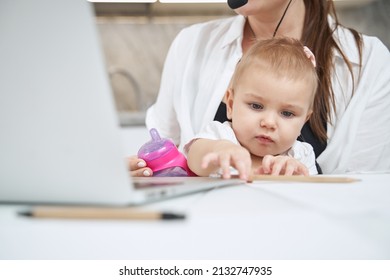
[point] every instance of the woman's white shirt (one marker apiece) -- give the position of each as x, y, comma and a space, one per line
201, 62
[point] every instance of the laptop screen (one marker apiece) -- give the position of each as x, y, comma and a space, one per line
60, 137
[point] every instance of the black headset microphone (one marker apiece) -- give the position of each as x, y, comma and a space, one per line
235, 4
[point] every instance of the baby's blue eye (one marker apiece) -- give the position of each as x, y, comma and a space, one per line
287, 114
256, 106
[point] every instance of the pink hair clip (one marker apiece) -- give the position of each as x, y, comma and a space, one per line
310, 55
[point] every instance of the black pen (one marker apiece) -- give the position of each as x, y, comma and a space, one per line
56, 212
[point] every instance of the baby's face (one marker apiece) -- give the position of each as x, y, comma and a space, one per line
268, 112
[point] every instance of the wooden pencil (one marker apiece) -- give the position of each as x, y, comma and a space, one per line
70, 212
303, 179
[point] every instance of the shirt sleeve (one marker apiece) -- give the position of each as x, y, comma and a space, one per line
217, 131
304, 153
214, 131
370, 150
162, 115
359, 136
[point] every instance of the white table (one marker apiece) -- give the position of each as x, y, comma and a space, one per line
254, 221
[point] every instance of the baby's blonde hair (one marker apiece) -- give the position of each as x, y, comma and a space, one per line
283, 57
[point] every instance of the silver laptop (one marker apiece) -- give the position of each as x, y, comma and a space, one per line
59, 132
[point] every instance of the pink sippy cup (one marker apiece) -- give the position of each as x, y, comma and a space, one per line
162, 156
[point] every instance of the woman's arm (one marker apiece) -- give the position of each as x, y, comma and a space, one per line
359, 135
162, 115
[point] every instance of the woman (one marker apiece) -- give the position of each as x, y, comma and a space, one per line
349, 128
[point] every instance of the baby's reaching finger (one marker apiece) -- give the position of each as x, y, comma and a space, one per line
242, 169
290, 169
266, 164
209, 158
224, 163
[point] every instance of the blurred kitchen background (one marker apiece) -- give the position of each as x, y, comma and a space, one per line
136, 37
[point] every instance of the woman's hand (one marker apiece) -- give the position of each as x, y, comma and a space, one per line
282, 165
138, 167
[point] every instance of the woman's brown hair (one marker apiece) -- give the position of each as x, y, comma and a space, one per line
318, 36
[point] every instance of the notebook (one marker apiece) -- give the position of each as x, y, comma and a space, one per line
60, 136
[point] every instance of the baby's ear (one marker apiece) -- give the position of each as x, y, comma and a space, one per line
229, 103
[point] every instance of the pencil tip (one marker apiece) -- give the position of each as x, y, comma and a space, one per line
170, 216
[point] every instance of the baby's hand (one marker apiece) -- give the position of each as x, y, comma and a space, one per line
231, 155
279, 165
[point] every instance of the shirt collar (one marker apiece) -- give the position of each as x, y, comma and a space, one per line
346, 41
343, 37
235, 31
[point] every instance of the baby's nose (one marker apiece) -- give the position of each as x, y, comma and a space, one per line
268, 120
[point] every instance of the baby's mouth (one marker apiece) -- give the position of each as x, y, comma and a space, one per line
264, 139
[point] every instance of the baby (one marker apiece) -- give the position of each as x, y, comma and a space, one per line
268, 101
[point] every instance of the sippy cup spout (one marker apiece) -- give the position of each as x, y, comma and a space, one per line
154, 134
